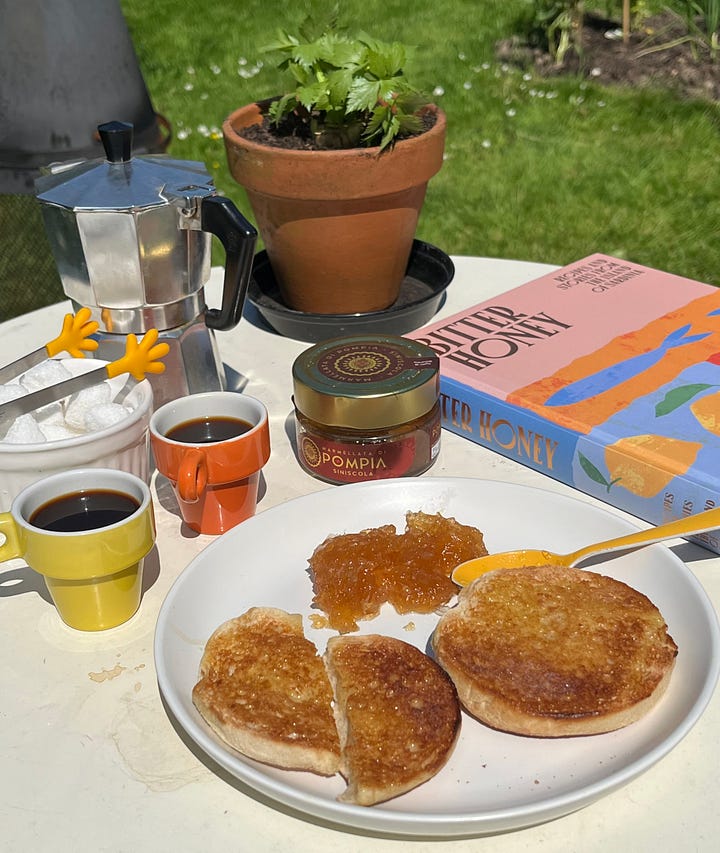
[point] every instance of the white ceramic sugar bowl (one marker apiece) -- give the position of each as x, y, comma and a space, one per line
123, 445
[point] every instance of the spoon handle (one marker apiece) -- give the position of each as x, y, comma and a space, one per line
691, 524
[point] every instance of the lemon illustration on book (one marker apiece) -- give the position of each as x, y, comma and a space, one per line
707, 412
645, 464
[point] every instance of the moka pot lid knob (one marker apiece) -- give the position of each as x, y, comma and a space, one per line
117, 140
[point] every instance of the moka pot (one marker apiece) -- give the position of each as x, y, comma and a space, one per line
131, 238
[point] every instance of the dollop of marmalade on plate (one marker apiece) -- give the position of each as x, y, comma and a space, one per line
354, 574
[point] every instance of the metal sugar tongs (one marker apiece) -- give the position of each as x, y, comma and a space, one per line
140, 358
74, 339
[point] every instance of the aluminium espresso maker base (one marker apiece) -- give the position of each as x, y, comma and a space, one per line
192, 365
429, 272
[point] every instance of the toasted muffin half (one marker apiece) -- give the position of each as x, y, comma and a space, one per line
264, 689
397, 713
549, 651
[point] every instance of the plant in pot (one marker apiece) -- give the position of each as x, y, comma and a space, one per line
337, 169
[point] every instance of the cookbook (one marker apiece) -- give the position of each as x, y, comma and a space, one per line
603, 374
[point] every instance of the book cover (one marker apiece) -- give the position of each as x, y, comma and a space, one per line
604, 374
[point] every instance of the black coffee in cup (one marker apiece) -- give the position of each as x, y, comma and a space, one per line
87, 510
208, 429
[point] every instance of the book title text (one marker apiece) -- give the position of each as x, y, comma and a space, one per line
500, 433
490, 334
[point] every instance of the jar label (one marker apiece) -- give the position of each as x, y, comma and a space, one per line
370, 363
352, 462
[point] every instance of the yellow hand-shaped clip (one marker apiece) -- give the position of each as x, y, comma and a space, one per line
140, 358
75, 335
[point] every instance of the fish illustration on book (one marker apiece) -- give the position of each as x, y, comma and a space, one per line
610, 377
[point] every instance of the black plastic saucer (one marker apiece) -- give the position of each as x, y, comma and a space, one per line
429, 272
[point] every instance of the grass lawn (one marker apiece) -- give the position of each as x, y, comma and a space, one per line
537, 169
544, 170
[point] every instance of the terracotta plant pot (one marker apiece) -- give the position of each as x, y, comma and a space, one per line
338, 226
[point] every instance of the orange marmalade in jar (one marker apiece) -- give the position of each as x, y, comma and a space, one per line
366, 408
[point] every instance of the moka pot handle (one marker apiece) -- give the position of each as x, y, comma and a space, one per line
220, 217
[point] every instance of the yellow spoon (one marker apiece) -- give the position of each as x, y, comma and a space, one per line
691, 524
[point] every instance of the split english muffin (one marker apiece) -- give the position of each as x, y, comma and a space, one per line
375, 708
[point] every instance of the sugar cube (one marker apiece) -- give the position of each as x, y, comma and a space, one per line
105, 415
57, 431
24, 430
50, 414
86, 411
79, 404
48, 372
7, 393
11, 392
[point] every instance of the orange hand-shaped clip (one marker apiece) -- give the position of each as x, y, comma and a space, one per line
75, 335
140, 358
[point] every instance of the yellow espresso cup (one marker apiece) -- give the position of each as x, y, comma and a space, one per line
93, 573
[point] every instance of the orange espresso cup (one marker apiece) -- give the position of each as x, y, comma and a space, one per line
212, 447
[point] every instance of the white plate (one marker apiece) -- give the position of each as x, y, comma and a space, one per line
493, 782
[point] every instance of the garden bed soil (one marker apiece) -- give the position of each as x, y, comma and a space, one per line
686, 68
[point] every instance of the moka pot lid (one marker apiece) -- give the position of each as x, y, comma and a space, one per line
122, 182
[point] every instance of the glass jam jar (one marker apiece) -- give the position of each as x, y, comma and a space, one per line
366, 408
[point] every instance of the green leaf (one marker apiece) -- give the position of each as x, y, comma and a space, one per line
677, 397
279, 109
284, 42
363, 95
375, 123
301, 75
593, 473
338, 86
386, 60
409, 124
307, 55
411, 101
388, 89
314, 94
341, 53
391, 132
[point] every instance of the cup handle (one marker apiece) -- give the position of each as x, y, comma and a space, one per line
11, 546
192, 475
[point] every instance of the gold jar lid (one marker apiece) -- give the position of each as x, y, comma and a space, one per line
366, 381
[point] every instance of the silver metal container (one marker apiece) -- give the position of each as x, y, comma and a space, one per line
131, 239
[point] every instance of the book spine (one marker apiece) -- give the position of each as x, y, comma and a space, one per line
532, 441
680, 496
516, 433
